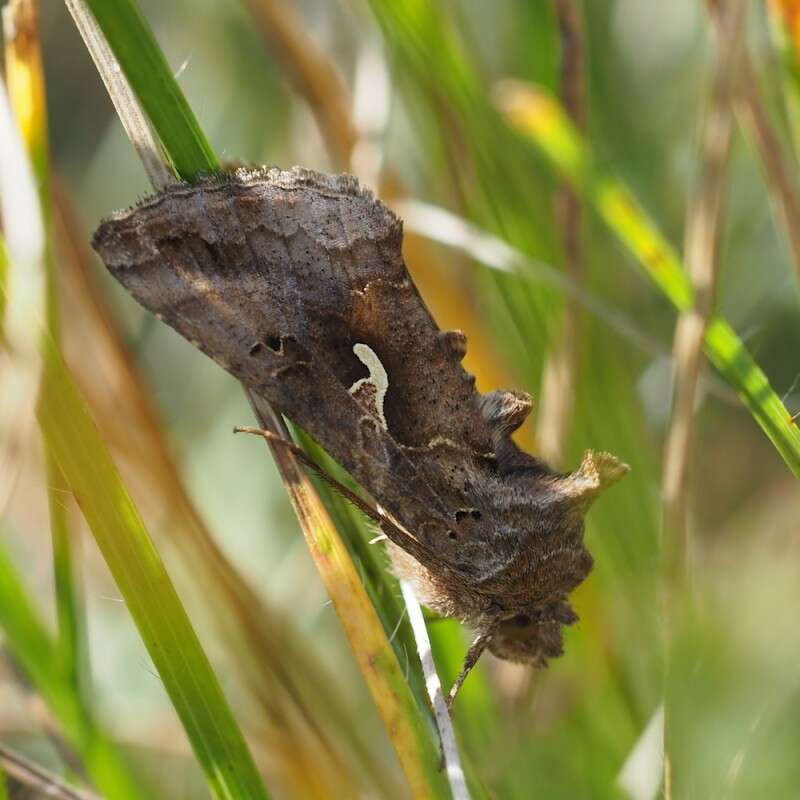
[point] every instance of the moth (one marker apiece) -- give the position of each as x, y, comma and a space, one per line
294, 282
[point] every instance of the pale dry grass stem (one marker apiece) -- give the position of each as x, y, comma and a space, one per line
125, 104
312, 74
703, 231
560, 371
779, 170
28, 780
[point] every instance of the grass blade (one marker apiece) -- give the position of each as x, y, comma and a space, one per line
145, 67
156, 609
541, 119
51, 668
25, 77
25, 304
36, 653
148, 592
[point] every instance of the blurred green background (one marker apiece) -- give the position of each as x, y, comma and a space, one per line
417, 79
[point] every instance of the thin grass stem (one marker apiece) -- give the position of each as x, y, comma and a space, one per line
703, 233
447, 736
560, 371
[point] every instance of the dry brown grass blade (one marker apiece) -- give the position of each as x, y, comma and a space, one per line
703, 231
312, 74
27, 781
780, 172
560, 372
23, 323
282, 675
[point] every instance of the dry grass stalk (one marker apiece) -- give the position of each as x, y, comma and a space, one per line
27, 780
779, 170
560, 372
311, 72
703, 231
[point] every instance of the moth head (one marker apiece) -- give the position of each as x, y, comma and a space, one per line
560, 501
538, 516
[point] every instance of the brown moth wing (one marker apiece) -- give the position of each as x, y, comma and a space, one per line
276, 276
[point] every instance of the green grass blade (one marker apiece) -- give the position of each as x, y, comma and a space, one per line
76, 452
70, 609
542, 120
26, 87
146, 588
152, 81
34, 650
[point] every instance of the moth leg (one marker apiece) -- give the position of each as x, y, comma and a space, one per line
393, 531
309, 462
470, 660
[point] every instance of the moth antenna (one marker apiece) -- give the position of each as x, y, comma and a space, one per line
394, 532
474, 653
